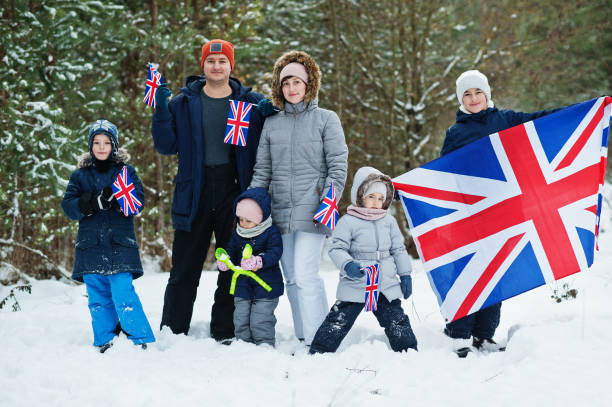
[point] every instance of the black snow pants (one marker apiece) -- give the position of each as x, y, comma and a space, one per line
343, 314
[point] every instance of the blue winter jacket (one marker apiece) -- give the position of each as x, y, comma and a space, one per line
471, 127
268, 245
178, 130
105, 243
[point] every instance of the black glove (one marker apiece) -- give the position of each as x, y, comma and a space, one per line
353, 270
161, 96
87, 204
115, 205
266, 108
104, 199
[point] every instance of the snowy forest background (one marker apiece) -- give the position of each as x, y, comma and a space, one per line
389, 70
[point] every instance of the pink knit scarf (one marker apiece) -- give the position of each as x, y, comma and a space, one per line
366, 213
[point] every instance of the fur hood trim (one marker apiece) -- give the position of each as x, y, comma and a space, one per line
314, 77
86, 161
366, 176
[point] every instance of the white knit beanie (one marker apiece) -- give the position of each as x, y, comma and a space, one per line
473, 79
376, 187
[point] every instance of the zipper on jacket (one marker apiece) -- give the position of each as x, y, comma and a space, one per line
377, 243
292, 135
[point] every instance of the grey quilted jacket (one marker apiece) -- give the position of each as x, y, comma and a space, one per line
301, 151
368, 242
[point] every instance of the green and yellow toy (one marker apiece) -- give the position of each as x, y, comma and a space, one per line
247, 252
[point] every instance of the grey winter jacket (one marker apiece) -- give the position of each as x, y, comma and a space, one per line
368, 242
301, 151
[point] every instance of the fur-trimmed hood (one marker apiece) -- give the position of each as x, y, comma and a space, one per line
366, 176
86, 160
314, 76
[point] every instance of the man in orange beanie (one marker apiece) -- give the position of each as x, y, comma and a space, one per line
211, 174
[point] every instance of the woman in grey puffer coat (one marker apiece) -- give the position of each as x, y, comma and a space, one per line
365, 236
301, 151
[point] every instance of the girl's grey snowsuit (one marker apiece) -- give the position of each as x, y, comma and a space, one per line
367, 242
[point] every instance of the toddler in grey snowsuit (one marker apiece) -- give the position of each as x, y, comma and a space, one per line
366, 235
254, 319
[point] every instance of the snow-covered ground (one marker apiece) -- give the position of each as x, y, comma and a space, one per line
560, 356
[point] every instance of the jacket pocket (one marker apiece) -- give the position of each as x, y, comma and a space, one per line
125, 241
183, 196
86, 241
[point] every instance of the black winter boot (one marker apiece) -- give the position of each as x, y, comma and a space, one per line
105, 347
487, 345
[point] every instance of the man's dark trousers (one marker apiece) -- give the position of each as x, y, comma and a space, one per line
189, 249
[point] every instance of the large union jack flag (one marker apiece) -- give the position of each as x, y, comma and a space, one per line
125, 193
511, 211
154, 79
327, 214
238, 123
371, 289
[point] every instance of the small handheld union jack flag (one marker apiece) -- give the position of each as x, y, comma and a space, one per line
154, 79
327, 214
371, 290
125, 193
238, 123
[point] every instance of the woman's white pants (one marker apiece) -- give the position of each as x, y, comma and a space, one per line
304, 286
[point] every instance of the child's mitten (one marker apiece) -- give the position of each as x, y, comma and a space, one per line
87, 203
353, 270
221, 266
104, 199
406, 285
252, 263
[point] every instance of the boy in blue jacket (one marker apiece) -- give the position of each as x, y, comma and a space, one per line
254, 319
478, 117
106, 254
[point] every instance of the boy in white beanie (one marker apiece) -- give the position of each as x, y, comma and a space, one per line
368, 235
478, 117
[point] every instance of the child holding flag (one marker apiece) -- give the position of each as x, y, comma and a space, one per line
478, 117
368, 236
302, 153
254, 319
106, 254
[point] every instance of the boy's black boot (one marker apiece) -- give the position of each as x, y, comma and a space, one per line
105, 347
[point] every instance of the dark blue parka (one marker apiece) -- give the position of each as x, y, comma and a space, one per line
268, 245
178, 130
471, 127
106, 243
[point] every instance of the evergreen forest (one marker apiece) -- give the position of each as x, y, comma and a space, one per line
389, 70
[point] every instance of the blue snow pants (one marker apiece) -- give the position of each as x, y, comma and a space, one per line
112, 300
343, 314
481, 324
